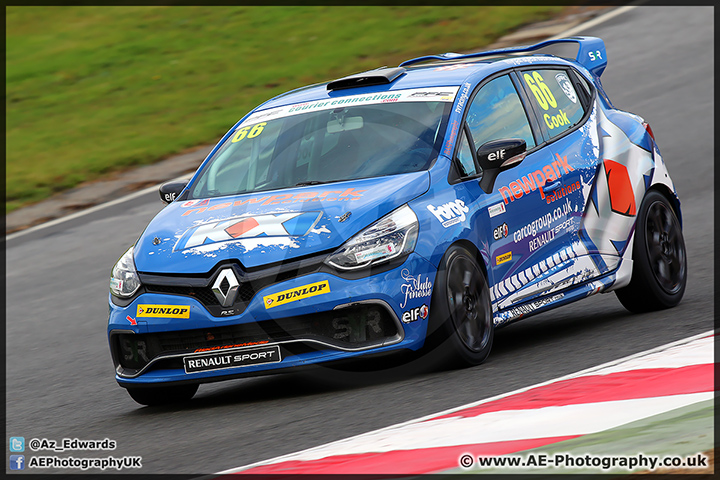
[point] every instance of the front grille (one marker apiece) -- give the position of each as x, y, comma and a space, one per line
251, 282
204, 295
352, 327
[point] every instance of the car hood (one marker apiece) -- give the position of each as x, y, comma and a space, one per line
268, 227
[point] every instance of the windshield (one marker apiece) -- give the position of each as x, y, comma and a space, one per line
346, 142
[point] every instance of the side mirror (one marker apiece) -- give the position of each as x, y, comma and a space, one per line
170, 190
497, 155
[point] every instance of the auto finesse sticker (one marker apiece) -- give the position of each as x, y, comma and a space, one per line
414, 287
294, 294
163, 311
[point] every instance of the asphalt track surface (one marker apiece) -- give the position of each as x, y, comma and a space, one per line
60, 380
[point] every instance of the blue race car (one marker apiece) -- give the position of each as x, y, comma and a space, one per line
410, 208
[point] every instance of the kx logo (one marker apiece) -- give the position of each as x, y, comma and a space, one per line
294, 224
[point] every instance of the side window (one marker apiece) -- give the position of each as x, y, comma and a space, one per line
556, 98
465, 157
497, 113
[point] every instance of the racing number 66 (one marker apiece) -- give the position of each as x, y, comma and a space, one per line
542, 93
256, 130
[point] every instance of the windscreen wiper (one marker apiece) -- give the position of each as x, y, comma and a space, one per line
310, 182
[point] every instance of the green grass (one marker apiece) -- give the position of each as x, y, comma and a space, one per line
92, 90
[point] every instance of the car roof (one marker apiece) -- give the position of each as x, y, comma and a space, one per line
453, 70
443, 74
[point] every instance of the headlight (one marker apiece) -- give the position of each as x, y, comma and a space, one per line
124, 281
390, 237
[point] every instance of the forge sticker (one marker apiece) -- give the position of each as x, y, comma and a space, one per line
294, 294
450, 213
163, 311
505, 257
282, 225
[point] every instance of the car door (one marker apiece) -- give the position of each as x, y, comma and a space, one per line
515, 218
563, 107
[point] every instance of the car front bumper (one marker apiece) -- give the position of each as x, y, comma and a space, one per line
346, 318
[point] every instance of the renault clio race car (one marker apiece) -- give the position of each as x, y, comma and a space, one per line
407, 208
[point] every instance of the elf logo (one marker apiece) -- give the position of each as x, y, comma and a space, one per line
500, 232
419, 313
294, 294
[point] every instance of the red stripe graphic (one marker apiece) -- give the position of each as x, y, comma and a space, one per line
643, 383
422, 460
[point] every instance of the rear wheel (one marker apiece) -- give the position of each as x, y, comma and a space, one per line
461, 327
659, 259
163, 395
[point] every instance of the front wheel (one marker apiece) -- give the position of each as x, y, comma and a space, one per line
163, 395
659, 260
461, 326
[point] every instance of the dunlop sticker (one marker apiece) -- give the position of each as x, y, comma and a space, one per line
505, 257
164, 311
287, 296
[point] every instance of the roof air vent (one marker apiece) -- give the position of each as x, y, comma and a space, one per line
380, 76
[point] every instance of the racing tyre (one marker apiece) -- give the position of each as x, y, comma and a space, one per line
163, 395
461, 328
659, 259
